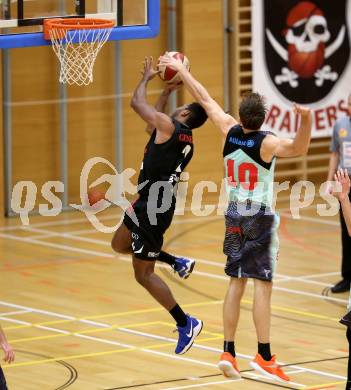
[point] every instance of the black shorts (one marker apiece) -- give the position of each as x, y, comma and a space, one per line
147, 233
251, 244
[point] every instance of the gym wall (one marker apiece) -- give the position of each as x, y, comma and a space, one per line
91, 110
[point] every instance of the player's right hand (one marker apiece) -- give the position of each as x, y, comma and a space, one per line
342, 177
303, 111
172, 62
9, 353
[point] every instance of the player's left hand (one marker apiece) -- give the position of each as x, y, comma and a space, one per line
343, 178
172, 62
149, 72
303, 111
9, 353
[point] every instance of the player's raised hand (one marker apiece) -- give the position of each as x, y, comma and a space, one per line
9, 353
149, 71
174, 63
342, 177
303, 111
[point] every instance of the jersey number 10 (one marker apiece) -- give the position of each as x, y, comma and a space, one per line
244, 170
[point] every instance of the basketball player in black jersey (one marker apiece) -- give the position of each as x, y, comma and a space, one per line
167, 153
251, 241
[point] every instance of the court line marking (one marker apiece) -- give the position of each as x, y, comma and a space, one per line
255, 375
95, 323
143, 349
123, 329
281, 211
127, 258
311, 219
71, 221
320, 275
324, 385
71, 235
119, 215
203, 384
86, 320
71, 357
11, 313
284, 278
57, 246
216, 350
107, 243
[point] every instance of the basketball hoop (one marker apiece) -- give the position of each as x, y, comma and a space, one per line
77, 42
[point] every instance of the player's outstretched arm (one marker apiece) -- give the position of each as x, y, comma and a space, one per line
299, 145
6, 347
342, 177
221, 120
162, 101
148, 113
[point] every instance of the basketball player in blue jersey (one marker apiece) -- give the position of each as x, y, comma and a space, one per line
251, 242
166, 155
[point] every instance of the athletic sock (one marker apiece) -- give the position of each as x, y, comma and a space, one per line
166, 258
229, 346
179, 316
265, 351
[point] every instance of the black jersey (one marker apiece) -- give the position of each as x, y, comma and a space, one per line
165, 162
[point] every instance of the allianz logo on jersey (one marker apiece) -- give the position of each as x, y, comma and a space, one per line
249, 143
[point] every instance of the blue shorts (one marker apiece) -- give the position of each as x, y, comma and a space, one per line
251, 243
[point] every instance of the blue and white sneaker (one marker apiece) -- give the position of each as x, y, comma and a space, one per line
184, 267
187, 334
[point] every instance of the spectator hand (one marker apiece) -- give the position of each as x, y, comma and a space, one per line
342, 177
9, 353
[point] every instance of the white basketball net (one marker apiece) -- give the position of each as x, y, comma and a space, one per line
77, 59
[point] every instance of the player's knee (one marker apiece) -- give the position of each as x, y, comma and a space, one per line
143, 274
118, 248
263, 288
141, 277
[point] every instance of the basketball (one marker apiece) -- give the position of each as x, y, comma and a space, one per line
169, 75
94, 196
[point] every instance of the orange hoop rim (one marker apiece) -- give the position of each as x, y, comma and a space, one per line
67, 24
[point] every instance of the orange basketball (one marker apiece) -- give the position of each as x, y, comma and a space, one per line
95, 196
169, 75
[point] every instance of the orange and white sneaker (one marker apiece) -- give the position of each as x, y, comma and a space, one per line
269, 368
228, 365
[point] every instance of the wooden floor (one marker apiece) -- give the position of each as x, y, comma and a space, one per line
79, 321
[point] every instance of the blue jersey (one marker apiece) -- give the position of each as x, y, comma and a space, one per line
248, 177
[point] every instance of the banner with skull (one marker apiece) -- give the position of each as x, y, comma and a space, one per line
301, 53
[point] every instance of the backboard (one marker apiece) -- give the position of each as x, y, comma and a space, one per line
21, 21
